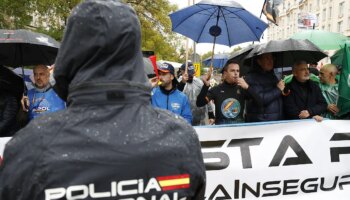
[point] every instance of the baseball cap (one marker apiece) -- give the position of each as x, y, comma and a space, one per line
183, 66
167, 68
190, 70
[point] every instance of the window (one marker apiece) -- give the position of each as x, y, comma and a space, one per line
330, 13
341, 9
324, 14
340, 27
329, 27
310, 7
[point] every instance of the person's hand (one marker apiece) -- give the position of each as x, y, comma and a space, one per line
318, 118
281, 85
241, 82
153, 81
184, 78
304, 114
206, 80
25, 103
333, 108
211, 121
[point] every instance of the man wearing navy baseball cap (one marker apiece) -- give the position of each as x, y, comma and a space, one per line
167, 96
191, 86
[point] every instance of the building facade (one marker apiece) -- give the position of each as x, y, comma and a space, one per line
298, 15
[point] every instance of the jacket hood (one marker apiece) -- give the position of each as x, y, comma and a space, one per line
101, 44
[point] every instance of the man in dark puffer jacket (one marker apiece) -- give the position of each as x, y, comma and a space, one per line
264, 83
109, 143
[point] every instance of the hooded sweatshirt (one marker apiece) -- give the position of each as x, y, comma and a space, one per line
109, 143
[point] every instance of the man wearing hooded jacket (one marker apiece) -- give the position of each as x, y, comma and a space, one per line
109, 143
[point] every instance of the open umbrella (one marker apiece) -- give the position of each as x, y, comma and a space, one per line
287, 52
344, 82
219, 60
20, 48
239, 57
323, 39
221, 22
23, 47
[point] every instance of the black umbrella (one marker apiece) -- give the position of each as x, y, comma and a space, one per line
287, 52
239, 56
11, 82
23, 48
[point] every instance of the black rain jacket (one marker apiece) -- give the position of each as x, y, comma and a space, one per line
109, 143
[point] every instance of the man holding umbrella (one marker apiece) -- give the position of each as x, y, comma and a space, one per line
229, 96
268, 88
191, 86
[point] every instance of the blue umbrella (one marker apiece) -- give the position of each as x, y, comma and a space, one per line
221, 22
219, 60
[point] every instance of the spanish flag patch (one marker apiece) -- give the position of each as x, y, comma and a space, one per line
174, 182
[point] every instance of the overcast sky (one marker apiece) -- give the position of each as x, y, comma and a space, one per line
253, 6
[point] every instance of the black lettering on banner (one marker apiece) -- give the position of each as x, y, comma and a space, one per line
337, 151
222, 164
216, 190
344, 183
289, 141
266, 187
236, 193
331, 188
244, 145
212, 144
310, 187
246, 187
286, 186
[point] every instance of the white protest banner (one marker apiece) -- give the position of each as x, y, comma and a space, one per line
295, 160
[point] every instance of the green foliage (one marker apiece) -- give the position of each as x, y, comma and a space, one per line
50, 16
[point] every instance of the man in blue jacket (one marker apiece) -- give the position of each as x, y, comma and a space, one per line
42, 99
168, 97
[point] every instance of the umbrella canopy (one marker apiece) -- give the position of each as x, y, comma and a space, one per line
344, 81
11, 82
227, 21
23, 47
323, 39
287, 52
239, 57
219, 60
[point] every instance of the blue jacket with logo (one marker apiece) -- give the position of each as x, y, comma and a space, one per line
43, 102
176, 102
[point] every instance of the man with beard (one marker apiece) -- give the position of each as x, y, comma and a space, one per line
229, 96
110, 143
304, 98
167, 96
191, 87
42, 99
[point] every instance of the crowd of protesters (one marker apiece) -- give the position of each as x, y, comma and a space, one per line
259, 96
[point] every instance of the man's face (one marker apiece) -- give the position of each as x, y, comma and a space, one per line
41, 76
301, 73
232, 73
266, 61
166, 78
